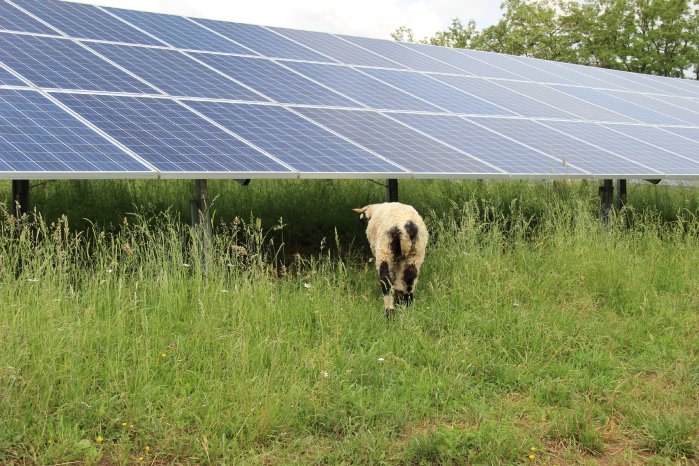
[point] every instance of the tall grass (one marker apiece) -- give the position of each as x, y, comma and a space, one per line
536, 331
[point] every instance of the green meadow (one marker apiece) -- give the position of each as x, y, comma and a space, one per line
538, 335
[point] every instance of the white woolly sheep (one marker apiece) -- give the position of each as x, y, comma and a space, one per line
398, 237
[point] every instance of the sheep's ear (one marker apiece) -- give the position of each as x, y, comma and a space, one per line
359, 211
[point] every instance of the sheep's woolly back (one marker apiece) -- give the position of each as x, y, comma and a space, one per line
396, 231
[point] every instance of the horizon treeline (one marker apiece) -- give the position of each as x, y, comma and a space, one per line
659, 37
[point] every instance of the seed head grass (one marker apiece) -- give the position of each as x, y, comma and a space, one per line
533, 325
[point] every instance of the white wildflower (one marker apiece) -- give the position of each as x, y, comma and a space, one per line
325, 374
380, 359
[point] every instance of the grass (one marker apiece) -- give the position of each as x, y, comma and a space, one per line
536, 330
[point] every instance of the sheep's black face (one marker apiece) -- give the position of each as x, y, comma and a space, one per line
363, 219
403, 298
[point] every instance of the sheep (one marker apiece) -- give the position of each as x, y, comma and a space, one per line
397, 237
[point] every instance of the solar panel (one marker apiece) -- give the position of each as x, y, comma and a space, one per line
338, 49
61, 63
687, 104
623, 107
398, 143
688, 133
403, 55
274, 81
577, 106
174, 72
565, 148
570, 72
618, 143
170, 137
658, 86
658, 104
661, 139
263, 41
85, 21
437, 93
38, 137
179, 32
13, 19
468, 65
521, 68
486, 145
8, 79
302, 145
495, 92
361, 87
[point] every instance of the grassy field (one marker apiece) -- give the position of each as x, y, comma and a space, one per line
538, 335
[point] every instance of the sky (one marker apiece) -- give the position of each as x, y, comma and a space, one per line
369, 18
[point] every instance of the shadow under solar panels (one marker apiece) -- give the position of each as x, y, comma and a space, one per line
174, 140
299, 143
38, 137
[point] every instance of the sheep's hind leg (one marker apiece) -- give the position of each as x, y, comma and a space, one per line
385, 278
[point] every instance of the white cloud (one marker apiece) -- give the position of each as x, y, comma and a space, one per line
371, 18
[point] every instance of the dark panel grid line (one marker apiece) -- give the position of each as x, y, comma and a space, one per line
169, 136
37, 135
64, 64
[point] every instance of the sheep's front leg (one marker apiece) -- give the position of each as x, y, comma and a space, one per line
385, 278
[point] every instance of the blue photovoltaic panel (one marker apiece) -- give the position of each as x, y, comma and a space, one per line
13, 19
658, 85
7, 79
690, 86
396, 142
688, 133
519, 67
487, 146
624, 107
682, 102
573, 73
169, 136
338, 49
661, 139
469, 65
361, 87
274, 80
619, 144
570, 104
174, 72
294, 140
495, 93
63, 64
403, 55
179, 32
437, 93
263, 41
659, 104
38, 136
618, 78
562, 147
85, 21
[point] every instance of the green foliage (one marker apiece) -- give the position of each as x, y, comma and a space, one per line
645, 36
535, 331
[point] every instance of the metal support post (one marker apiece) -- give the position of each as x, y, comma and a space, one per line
392, 190
620, 193
201, 217
20, 197
606, 197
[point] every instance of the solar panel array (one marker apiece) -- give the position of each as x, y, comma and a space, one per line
87, 91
